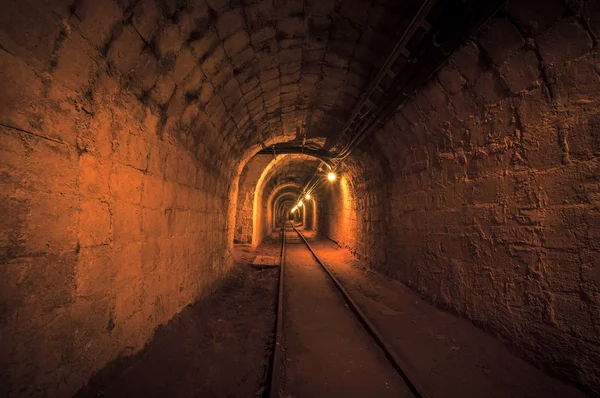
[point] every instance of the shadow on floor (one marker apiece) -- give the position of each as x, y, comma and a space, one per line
217, 347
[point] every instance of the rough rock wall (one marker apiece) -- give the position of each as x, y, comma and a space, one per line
352, 210
110, 224
494, 207
286, 174
270, 195
309, 216
247, 189
283, 205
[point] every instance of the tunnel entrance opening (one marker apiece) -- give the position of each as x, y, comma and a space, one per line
268, 188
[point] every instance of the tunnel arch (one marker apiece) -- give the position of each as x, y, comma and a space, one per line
283, 193
281, 170
265, 216
287, 193
277, 170
126, 126
283, 211
283, 202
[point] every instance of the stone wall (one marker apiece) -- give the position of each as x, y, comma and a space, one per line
285, 173
245, 200
112, 218
122, 125
491, 206
309, 216
271, 195
353, 210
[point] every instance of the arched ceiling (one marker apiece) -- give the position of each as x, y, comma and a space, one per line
285, 201
285, 196
257, 69
294, 169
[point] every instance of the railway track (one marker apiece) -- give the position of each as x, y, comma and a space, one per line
324, 343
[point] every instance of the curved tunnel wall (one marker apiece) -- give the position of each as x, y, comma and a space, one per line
264, 179
283, 171
125, 128
245, 200
352, 210
488, 198
114, 216
282, 204
122, 128
289, 193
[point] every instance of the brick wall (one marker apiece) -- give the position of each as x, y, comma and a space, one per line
490, 202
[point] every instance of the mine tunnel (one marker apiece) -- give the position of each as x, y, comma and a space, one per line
299, 198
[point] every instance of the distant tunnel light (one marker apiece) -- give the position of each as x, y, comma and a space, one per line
294, 209
299, 204
331, 176
307, 197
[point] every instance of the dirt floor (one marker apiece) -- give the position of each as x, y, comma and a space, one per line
218, 347
449, 355
327, 353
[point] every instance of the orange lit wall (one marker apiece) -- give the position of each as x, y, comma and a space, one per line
282, 204
288, 192
351, 209
245, 199
111, 225
310, 214
338, 220
283, 172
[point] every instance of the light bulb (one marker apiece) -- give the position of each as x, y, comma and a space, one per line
331, 176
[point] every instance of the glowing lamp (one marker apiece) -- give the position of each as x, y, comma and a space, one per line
294, 209
299, 204
307, 196
331, 176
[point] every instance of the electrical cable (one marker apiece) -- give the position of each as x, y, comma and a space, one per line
429, 47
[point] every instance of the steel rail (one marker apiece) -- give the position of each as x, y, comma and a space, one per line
276, 362
415, 386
